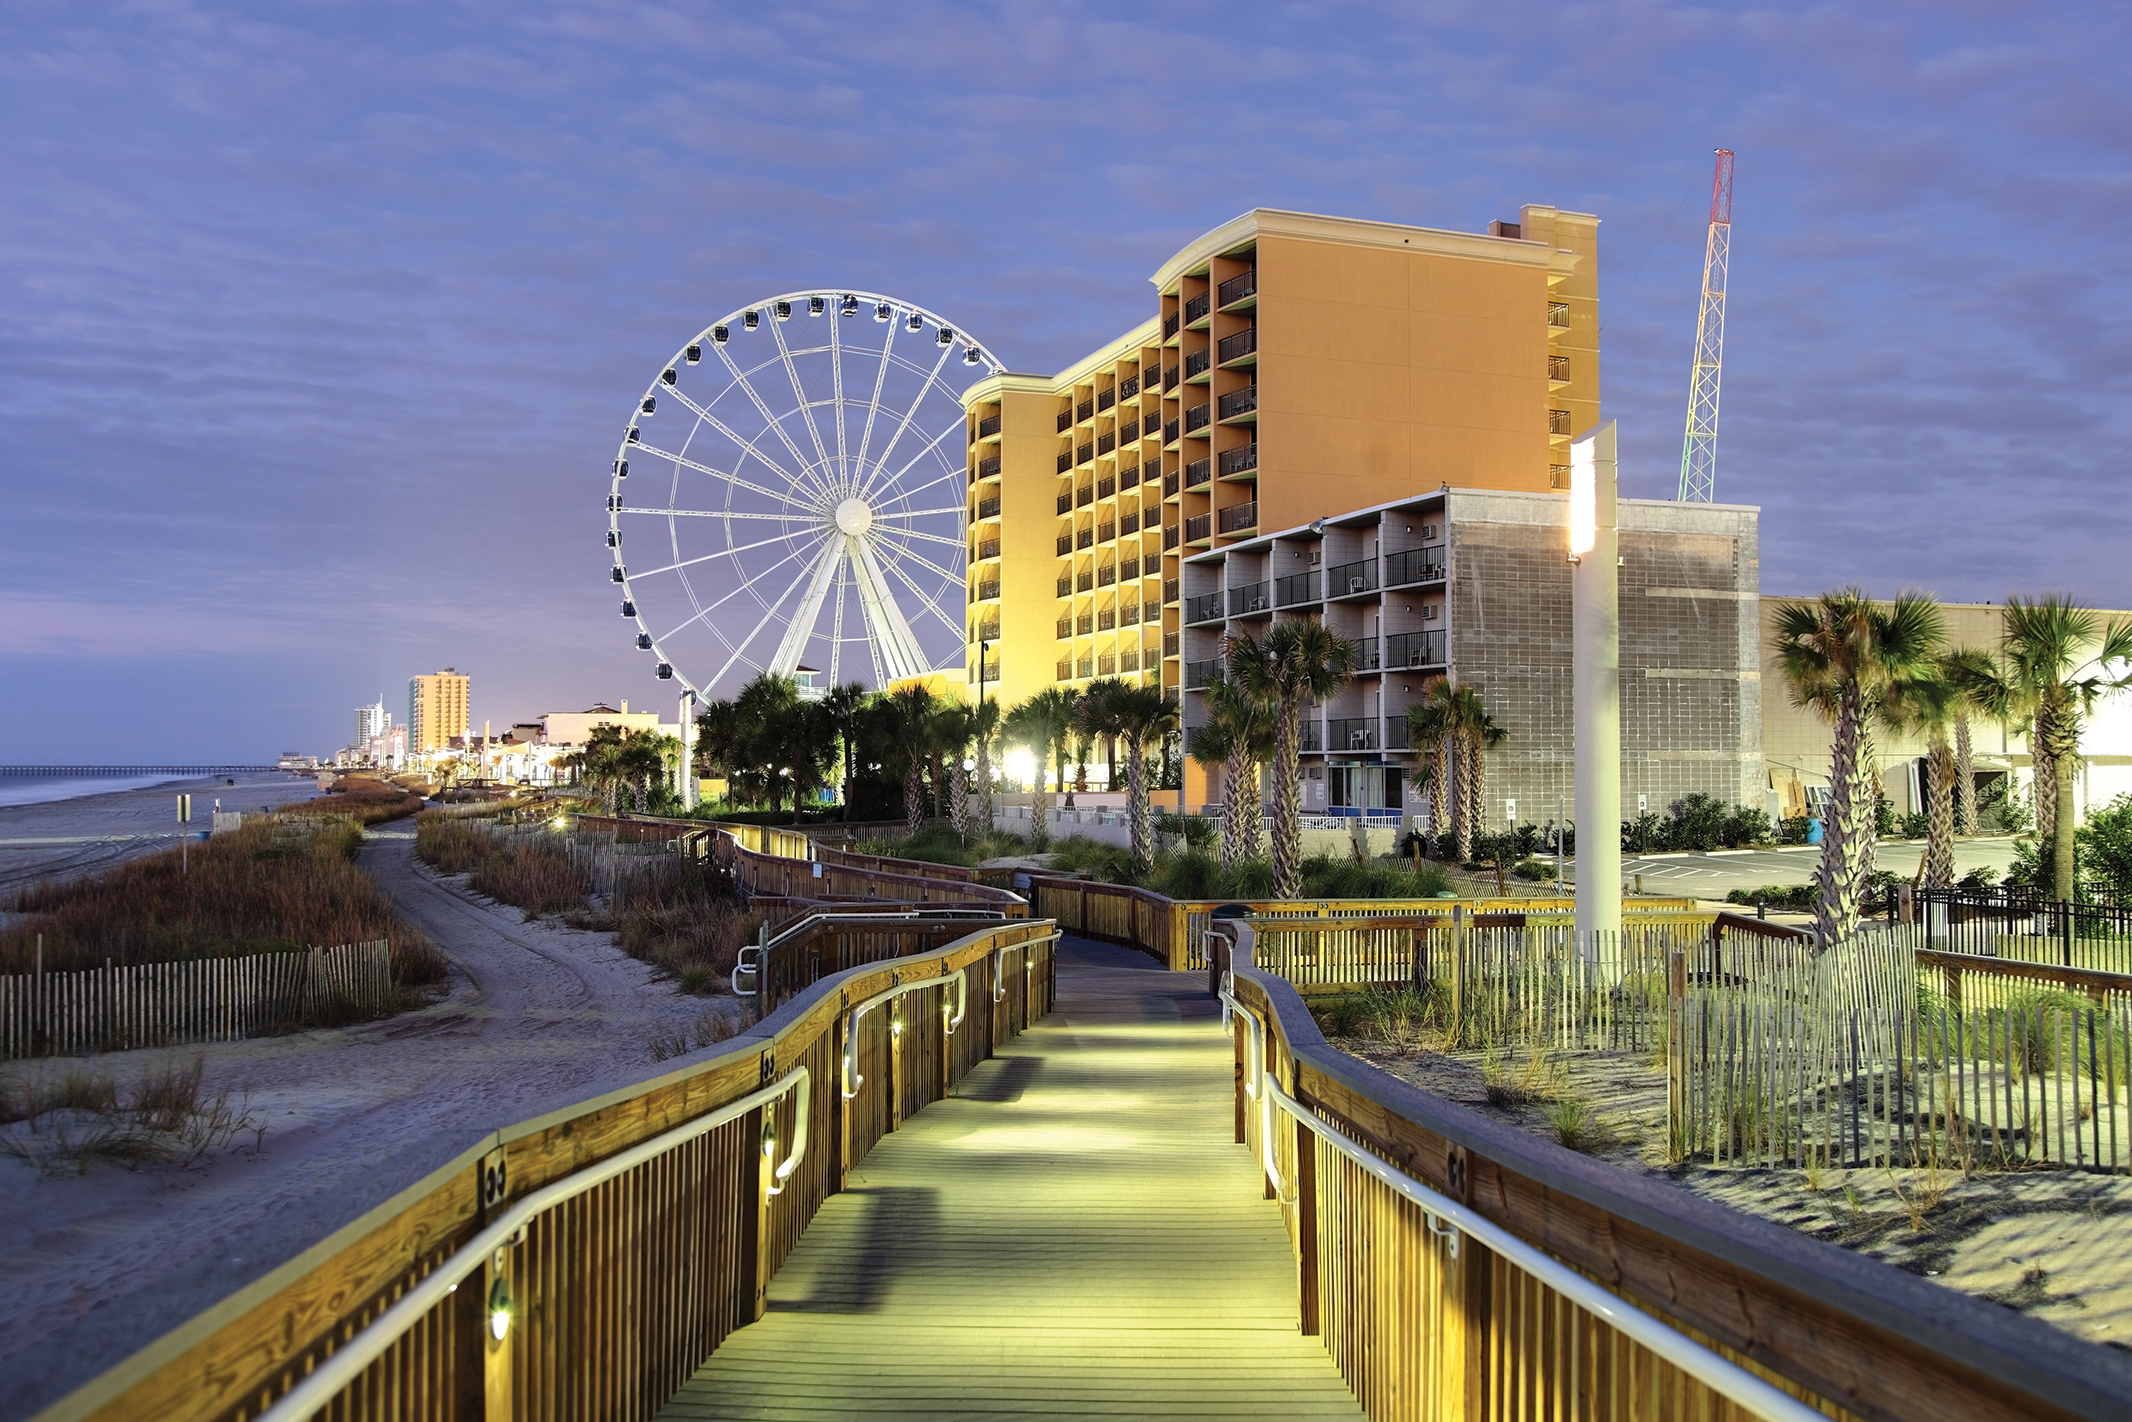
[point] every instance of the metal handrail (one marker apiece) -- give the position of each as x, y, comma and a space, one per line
959, 981
1446, 1217
338, 1370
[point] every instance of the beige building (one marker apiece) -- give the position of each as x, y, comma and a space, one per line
1294, 367
574, 728
1795, 743
436, 710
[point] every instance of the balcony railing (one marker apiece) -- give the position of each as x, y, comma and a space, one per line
1558, 314
1066, 671
1238, 402
1065, 587
1065, 421
1195, 308
988, 426
1085, 624
988, 590
1236, 347
1366, 658
1558, 367
1107, 575
988, 468
1129, 659
1128, 477
1085, 582
1129, 387
1353, 733
1241, 460
1106, 442
1196, 362
1558, 476
1086, 410
1086, 538
1082, 454
1351, 578
1106, 664
1395, 733
1252, 597
1128, 525
1238, 287
1558, 422
988, 632
1152, 423
1169, 379
1170, 642
1065, 544
1197, 675
1169, 538
1106, 398
1409, 650
1066, 462
1106, 621
1086, 666
1295, 588
1198, 417
1128, 614
1310, 735
1415, 565
1237, 517
1065, 628
988, 508
1066, 503
988, 549
1169, 325
1105, 487
1169, 483
1198, 528
1204, 608
1198, 472
1169, 431
1084, 496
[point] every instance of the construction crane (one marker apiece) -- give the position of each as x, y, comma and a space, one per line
1698, 448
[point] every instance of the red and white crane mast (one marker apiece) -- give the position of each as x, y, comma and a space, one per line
1698, 450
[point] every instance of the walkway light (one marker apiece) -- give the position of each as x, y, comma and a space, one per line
500, 1306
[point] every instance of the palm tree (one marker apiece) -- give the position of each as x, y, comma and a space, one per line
1140, 716
1477, 735
1297, 663
1431, 731
909, 713
2054, 664
1242, 726
1840, 656
1929, 704
983, 727
1045, 726
844, 707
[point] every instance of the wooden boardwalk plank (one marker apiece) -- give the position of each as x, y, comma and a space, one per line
1073, 1234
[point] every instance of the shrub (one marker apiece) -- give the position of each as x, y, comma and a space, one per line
1915, 825
1790, 898
1536, 870
934, 844
360, 798
450, 846
1325, 877
685, 916
1198, 831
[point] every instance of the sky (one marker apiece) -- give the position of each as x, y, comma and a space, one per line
320, 321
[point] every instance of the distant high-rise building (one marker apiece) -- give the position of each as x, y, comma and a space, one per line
371, 721
436, 710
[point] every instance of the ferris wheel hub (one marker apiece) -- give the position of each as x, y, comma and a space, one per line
854, 517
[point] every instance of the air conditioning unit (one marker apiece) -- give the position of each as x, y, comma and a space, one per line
1354, 585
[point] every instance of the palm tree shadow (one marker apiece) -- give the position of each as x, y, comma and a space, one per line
902, 1222
1001, 1080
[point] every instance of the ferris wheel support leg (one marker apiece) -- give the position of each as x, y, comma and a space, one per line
801, 627
900, 655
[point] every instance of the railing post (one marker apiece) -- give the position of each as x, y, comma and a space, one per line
1306, 1228
754, 1256
485, 1388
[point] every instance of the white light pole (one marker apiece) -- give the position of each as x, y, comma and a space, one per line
1596, 682
691, 792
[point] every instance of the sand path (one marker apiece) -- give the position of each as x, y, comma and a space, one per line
99, 1265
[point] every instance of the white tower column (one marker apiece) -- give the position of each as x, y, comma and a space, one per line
690, 787
1594, 544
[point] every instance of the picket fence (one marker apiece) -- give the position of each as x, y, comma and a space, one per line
119, 1007
1844, 1062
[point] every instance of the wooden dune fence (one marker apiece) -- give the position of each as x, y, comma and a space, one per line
1850, 1064
120, 1007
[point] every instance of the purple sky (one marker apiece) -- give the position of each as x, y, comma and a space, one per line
320, 321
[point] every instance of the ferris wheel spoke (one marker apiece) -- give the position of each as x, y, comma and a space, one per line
925, 599
873, 405
881, 514
738, 651
836, 378
810, 516
799, 394
947, 471
836, 626
721, 553
736, 590
800, 630
911, 413
747, 446
762, 407
896, 551
920, 533
734, 479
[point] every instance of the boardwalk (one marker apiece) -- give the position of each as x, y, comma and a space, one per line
1074, 1234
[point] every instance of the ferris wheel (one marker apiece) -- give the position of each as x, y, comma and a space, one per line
789, 493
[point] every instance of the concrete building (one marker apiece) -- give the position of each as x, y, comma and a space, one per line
436, 710
574, 728
1292, 367
1474, 585
370, 721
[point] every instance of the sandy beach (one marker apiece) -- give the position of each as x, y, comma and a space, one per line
59, 839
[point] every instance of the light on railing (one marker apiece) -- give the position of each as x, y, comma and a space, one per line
500, 1309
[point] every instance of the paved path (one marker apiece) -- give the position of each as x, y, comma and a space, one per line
1074, 1234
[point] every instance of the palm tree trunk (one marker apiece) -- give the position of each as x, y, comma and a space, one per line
1468, 813
1228, 812
1250, 813
1136, 803
1847, 836
984, 785
1287, 810
1940, 785
914, 795
1965, 780
2042, 782
959, 798
2066, 826
1440, 812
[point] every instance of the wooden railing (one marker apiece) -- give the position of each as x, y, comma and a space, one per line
822, 944
586, 1262
1172, 930
1430, 1242
775, 874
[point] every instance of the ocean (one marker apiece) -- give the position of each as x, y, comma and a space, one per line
33, 789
